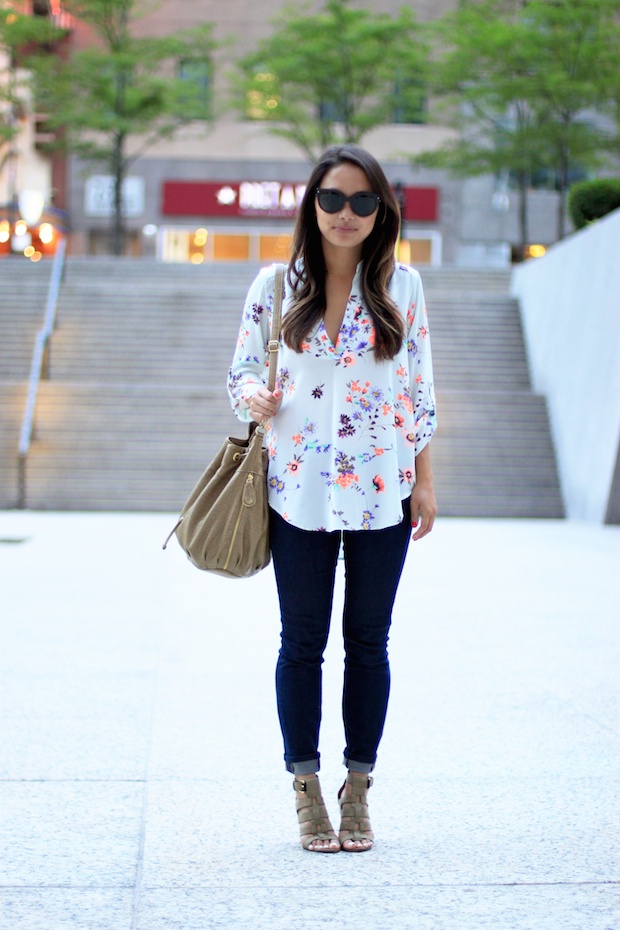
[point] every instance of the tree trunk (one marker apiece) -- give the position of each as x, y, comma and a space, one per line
522, 180
121, 80
562, 187
118, 219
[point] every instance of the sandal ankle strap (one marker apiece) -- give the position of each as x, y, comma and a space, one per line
357, 779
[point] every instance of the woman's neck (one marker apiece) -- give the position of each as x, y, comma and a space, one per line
341, 263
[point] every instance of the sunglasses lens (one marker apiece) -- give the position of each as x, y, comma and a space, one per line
364, 204
330, 201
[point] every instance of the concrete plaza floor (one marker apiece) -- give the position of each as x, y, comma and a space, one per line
141, 779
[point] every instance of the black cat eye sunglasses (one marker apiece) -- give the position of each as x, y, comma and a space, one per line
364, 203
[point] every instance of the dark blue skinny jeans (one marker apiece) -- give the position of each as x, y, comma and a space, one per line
305, 568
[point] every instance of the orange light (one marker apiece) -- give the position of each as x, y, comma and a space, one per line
404, 252
536, 251
46, 233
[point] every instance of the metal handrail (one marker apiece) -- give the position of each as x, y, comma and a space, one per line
39, 368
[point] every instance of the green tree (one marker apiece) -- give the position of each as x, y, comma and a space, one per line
576, 49
331, 77
480, 77
124, 87
19, 33
525, 84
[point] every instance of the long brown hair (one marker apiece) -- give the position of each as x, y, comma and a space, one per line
306, 271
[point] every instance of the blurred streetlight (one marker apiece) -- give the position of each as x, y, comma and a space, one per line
31, 204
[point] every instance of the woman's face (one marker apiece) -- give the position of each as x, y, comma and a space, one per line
344, 229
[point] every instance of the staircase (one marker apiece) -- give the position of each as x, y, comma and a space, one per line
492, 453
137, 402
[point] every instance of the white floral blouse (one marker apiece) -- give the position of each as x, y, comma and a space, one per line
342, 445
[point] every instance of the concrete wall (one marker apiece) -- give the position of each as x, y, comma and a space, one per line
570, 307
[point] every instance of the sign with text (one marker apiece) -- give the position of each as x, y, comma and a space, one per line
99, 196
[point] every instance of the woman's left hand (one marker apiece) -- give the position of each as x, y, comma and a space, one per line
423, 509
423, 503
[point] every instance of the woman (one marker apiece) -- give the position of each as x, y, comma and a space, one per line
348, 431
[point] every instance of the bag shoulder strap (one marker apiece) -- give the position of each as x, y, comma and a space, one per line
274, 342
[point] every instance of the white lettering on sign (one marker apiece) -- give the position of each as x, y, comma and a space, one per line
270, 196
287, 197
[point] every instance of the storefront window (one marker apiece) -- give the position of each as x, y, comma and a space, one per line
222, 245
229, 247
420, 249
274, 248
254, 245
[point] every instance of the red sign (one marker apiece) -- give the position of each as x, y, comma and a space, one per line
268, 199
421, 204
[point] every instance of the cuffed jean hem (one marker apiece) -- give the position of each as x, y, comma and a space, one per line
352, 765
308, 767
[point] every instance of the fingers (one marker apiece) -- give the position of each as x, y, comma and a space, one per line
263, 404
426, 525
423, 512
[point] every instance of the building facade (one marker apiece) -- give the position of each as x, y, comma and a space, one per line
33, 191
229, 192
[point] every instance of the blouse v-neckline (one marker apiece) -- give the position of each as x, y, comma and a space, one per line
322, 327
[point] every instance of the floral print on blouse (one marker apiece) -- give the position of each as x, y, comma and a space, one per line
342, 446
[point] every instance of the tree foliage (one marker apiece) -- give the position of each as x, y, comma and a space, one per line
333, 76
590, 200
19, 34
123, 86
527, 83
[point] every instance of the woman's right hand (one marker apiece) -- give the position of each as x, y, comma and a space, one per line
264, 404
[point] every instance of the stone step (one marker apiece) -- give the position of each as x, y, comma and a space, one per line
12, 402
23, 299
497, 279
104, 267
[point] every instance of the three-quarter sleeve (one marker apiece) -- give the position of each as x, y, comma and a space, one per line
420, 367
250, 364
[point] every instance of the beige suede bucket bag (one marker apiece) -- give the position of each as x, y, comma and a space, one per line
224, 524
